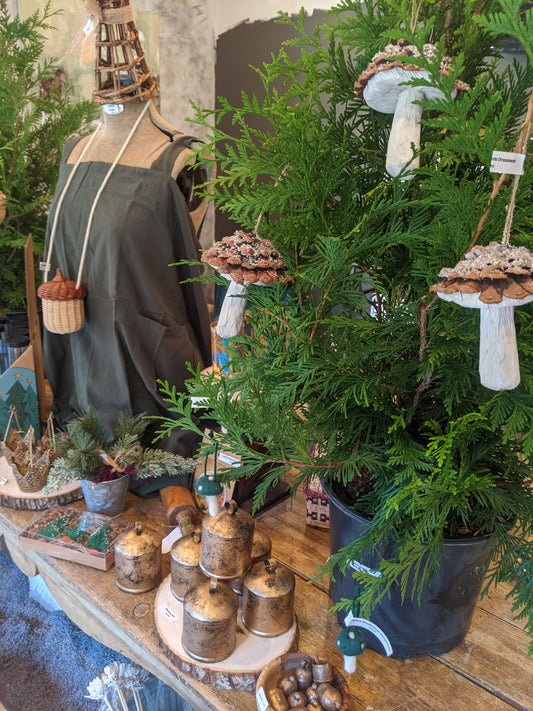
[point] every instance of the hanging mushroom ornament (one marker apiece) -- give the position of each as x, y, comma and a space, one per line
244, 259
493, 279
383, 87
351, 644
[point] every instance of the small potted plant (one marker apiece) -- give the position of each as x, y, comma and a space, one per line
105, 463
357, 372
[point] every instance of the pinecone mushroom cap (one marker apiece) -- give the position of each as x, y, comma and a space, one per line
246, 259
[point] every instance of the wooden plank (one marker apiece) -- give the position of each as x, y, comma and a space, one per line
35, 332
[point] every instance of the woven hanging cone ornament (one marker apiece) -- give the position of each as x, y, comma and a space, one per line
121, 72
63, 307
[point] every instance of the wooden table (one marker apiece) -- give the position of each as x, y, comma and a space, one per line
489, 671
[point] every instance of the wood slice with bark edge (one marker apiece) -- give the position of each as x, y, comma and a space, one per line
12, 497
221, 675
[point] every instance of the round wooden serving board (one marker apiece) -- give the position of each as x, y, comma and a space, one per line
12, 497
240, 670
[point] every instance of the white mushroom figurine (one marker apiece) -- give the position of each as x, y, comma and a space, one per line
383, 87
494, 279
244, 259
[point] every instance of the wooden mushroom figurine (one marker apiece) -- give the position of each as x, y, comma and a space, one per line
350, 643
383, 87
493, 279
244, 259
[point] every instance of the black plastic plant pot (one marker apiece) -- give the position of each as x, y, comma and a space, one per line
441, 620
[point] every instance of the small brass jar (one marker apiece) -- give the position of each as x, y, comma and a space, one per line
185, 571
138, 559
268, 599
210, 621
227, 542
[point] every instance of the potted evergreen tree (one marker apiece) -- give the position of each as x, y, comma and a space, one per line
356, 371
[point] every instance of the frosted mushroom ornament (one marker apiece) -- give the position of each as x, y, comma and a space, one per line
494, 279
383, 86
245, 259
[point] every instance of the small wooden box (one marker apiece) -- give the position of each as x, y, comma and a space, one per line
317, 505
52, 533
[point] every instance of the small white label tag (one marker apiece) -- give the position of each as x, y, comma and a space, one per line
113, 109
168, 541
3, 481
43, 266
510, 163
89, 26
356, 565
230, 459
262, 701
167, 612
351, 621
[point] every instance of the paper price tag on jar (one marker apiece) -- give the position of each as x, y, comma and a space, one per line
510, 163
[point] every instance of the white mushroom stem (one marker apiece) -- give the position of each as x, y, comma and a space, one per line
498, 355
232, 311
405, 132
212, 504
350, 664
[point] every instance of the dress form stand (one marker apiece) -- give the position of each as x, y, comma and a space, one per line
142, 322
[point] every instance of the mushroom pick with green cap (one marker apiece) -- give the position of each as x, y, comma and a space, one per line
210, 488
351, 644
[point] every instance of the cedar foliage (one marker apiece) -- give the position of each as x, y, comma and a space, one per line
33, 128
356, 371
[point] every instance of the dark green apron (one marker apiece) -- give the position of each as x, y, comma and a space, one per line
141, 323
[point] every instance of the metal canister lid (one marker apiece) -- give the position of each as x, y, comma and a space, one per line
212, 601
137, 541
186, 550
269, 579
261, 546
231, 523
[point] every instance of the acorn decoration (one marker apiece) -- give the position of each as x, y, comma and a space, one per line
63, 304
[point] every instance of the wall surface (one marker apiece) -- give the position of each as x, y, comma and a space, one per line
179, 38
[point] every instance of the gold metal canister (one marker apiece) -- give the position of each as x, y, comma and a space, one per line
185, 571
261, 549
268, 599
138, 559
227, 542
210, 621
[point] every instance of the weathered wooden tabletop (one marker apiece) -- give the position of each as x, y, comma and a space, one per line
489, 671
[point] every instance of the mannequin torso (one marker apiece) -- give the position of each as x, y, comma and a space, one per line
149, 140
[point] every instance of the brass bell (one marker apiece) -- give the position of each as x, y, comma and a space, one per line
210, 621
261, 548
138, 559
185, 570
226, 550
268, 599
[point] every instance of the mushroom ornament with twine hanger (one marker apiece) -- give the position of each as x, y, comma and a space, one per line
63, 308
243, 258
495, 279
